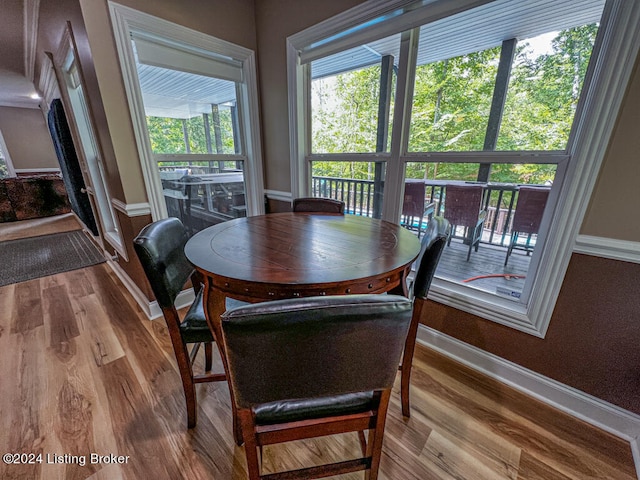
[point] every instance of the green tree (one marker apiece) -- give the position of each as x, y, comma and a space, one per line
166, 135
544, 92
451, 106
451, 103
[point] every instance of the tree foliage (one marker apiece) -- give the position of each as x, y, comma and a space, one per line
167, 135
450, 110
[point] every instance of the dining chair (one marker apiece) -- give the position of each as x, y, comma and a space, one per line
435, 238
463, 208
318, 205
527, 217
316, 366
160, 249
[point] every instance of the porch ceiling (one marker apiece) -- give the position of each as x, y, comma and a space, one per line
176, 94
471, 31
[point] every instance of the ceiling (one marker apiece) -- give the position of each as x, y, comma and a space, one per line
17, 37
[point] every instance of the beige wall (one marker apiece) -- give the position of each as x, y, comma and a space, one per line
230, 20
275, 21
27, 138
614, 205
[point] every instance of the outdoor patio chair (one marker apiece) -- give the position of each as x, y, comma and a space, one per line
527, 217
414, 210
318, 205
435, 238
463, 208
311, 367
160, 249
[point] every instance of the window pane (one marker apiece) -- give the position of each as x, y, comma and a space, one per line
191, 114
499, 213
451, 102
358, 184
201, 194
187, 112
346, 97
544, 88
202, 133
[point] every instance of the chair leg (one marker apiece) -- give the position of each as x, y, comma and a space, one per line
247, 427
407, 357
208, 356
184, 365
192, 403
514, 238
376, 435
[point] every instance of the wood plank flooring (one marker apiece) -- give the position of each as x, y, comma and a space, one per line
83, 371
38, 226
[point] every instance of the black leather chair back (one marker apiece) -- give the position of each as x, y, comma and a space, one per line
433, 242
318, 205
160, 248
314, 347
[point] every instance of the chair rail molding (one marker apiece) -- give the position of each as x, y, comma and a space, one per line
624, 250
132, 209
278, 195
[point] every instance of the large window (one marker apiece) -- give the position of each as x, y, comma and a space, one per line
194, 108
498, 99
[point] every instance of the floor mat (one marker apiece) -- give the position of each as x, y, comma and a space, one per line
36, 257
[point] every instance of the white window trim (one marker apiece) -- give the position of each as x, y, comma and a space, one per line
611, 76
124, 20
11, 172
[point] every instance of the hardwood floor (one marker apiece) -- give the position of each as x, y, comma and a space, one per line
83, 371
38, 226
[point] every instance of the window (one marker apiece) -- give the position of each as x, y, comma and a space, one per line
501, 95
193, 103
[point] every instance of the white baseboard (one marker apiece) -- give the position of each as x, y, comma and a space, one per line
151, 309
611, 418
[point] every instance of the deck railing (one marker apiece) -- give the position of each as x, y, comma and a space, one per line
357, 195
499, 201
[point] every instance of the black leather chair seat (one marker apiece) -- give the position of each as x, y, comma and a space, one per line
293, 410
194, 328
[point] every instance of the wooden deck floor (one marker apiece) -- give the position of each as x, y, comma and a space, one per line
488, 260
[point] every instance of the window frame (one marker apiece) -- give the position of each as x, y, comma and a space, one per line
126, 20
593, 125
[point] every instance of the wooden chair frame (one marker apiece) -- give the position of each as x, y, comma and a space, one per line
257, 436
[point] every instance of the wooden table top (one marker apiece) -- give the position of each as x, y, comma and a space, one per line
299, 254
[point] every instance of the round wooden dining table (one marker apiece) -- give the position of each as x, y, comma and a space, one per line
289, 255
